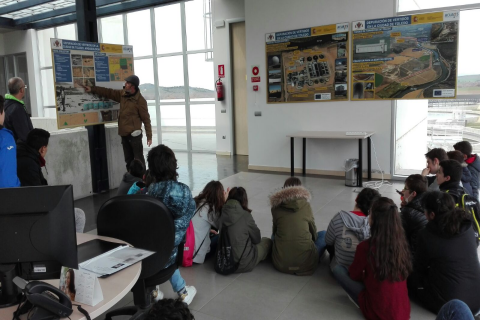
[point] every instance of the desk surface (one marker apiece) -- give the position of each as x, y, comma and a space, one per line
114, 287
327, 135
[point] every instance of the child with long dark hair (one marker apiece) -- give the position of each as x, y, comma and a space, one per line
382, 263
446, 263
209, 205
248, 247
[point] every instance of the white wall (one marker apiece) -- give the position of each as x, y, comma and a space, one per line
20, 41
226, 10
268, 145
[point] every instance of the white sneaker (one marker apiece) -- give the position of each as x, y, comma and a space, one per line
157, 294
189, 295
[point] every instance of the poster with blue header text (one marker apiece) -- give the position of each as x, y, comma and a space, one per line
77, 64
405, 57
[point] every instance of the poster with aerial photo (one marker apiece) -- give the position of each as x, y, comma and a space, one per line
405, 57
308, 65
77, 64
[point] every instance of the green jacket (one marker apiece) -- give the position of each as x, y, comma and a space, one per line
133, 111
243, 233
295, 232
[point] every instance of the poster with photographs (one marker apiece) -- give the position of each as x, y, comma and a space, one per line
308, 65
405, 57
77, 64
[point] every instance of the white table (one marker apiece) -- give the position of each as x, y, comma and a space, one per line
332, 135
114, 287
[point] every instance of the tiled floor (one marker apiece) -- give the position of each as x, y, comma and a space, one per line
266, 293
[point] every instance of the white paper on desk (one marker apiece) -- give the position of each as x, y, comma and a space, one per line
115, 260
85, 285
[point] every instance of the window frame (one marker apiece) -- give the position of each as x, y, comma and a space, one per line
154, 55
393, 148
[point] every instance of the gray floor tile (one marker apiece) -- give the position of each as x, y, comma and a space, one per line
266, 274
310, 307
245, 300
202, 316
208, 283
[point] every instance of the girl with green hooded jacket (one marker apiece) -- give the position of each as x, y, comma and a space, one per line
294, 232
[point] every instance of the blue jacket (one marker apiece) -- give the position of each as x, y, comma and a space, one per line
8, 162
177, 197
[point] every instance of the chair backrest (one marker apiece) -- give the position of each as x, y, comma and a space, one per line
144, 222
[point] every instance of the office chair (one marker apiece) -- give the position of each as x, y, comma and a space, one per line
146, 223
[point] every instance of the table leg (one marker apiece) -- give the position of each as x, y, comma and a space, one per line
304, 171
291, 157
369, 155
360, 168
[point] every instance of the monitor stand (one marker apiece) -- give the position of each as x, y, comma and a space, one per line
9, 292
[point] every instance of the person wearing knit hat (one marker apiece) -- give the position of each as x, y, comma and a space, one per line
133, 111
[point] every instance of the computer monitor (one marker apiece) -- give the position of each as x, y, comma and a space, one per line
37, 231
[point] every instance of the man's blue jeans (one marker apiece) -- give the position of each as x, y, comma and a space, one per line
455, 310
353, 288
320, 243
177, 281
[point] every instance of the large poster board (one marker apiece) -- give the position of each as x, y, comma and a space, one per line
308, 65
405, 57
77, 64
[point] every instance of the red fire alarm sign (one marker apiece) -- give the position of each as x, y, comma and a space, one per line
221, 71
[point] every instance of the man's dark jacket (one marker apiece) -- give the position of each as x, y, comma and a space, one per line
17, 119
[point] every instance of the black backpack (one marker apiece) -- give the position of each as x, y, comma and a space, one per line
224, 261
469, 204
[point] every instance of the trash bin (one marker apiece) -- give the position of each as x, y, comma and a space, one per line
351, 168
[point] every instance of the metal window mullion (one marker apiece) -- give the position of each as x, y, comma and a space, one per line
203, 102
166, 103
125, 28
199, 51
155, 76
166, 55
472, 6
185, 76
99, 30
40, 74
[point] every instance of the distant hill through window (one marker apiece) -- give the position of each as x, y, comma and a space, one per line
170, 93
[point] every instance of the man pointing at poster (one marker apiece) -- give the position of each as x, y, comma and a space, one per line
133, 111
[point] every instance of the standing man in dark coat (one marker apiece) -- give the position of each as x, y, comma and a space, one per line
17, 119
133, 111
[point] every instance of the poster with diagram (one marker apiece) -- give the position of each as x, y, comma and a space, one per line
77, 64
405, 57
308, 65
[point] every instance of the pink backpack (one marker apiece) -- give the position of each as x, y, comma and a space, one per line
189, 247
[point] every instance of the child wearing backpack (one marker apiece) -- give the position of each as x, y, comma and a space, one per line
209, 208
446, 263
473, 164
381, 266
242, 235
448, 178
297, 247
466, 174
